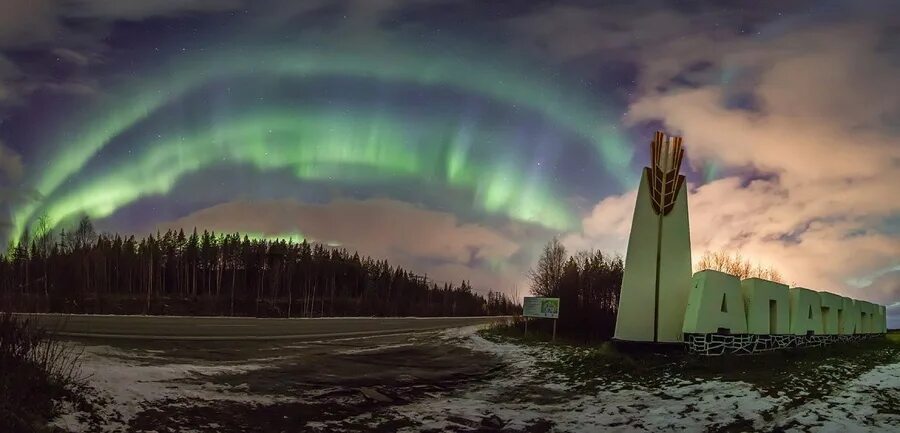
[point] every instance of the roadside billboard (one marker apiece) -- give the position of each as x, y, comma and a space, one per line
547, 308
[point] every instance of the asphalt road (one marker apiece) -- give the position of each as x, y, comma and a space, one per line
239, 328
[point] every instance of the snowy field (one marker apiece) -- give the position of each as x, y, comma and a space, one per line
386, 384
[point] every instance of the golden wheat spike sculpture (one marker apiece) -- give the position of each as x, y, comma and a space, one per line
665, 181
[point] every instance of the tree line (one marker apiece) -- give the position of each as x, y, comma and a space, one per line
204, 273
588, 284
735, 264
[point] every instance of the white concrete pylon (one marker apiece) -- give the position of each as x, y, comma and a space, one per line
657, 279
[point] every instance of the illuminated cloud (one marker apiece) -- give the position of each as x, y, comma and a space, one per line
11, 168
424, 240
801, 125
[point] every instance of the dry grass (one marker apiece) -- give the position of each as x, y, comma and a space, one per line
37, 371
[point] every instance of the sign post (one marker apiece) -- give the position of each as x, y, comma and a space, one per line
545, 308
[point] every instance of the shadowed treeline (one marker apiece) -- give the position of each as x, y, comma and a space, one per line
209, 274
588, 285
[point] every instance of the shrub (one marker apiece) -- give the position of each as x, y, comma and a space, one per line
35, 371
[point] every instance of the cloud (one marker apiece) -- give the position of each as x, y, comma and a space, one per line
8, 72
764, 223
60, 25
72, 56
11, 168
885, 288
823, 133
807, 114
822, 113
571, 31
73, 32
28, 22
139, 9
11, 171
421, 239
606, 228
893, 316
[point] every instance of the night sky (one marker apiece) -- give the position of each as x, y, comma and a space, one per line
456, 137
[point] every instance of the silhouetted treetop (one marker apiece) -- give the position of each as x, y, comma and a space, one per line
219, 274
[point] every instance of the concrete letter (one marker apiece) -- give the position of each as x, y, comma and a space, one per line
806, 312
768, 306
849, 317
878, 319
831, 307
866, 313
715, 305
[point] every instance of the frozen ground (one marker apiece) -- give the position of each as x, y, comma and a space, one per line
533, 395
125, 383
870, 402
461, 381
255, 386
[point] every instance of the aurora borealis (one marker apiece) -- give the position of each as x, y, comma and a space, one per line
291, 140
493, 126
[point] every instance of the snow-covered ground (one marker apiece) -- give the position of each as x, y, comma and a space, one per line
870, 402
525, 394
127, 382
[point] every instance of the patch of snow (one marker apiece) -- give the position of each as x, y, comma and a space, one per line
68, 418
288, 346
373, 349
131, 383
626, 410
853, 407
523, 394
461, 332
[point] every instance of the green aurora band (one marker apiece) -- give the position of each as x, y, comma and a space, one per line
315, 146
125, 107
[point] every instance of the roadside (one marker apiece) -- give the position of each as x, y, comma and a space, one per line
35, 371
466, 380
210, 328
256, 387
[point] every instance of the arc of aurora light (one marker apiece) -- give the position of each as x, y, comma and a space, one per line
314, 147
420, 68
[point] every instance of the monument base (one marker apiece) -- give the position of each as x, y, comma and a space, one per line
747, 344
628, 346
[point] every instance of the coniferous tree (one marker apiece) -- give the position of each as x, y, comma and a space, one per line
81, 271
588, 285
